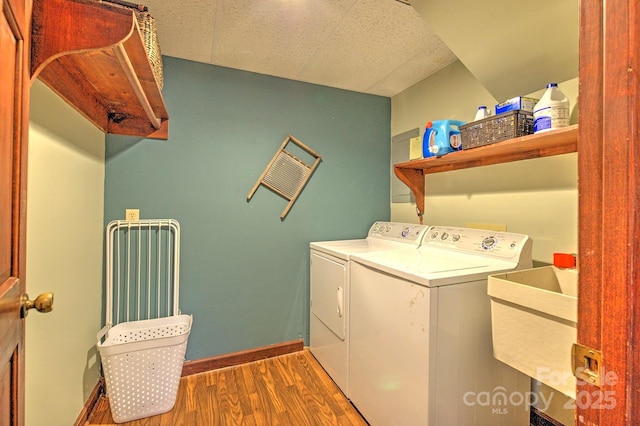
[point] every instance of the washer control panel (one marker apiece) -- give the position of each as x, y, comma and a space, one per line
396, 231
479, 241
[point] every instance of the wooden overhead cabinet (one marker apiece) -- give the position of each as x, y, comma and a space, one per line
91, 53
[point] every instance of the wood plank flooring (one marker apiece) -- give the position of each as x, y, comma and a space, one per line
286, 390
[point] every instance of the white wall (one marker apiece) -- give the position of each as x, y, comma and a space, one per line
536, 197
512, 48
64, 255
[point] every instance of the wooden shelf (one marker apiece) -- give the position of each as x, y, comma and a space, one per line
556, 142
92, 55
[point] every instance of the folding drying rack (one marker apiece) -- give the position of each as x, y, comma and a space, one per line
145, 336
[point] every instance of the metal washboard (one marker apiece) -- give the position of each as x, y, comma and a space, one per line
286, 175
142, 270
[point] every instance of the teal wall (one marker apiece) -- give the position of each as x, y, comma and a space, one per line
244, 272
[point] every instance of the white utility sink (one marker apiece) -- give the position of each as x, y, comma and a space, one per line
534, 313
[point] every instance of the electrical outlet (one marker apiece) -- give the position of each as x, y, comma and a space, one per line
132, 215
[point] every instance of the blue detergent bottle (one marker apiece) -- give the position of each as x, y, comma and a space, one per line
441, 137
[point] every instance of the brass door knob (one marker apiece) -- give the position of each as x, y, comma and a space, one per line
43, 303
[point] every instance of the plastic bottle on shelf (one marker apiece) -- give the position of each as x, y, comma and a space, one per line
552, 111
483, 112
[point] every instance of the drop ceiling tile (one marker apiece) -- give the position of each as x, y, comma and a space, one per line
275, 37
427, 62
185, 29
371, 46
371, 43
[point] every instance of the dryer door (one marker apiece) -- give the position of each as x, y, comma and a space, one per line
329, 285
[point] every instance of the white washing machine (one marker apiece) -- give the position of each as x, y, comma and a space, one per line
420, 332
330, 277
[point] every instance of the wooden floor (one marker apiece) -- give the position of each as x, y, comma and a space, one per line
285, 390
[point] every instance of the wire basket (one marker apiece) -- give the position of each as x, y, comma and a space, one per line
497, 128
142, 363
147, 25
149, 33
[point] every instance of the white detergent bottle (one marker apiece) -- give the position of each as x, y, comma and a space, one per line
482, 113
552, 111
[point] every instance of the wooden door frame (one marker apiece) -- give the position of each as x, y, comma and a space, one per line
18, 15
20, 192
609, 190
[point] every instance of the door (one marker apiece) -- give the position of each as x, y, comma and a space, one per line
609, 210
328, 326
14, 102
328, 286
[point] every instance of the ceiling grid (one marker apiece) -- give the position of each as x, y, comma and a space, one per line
379, 47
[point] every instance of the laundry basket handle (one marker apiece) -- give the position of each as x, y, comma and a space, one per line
104, 331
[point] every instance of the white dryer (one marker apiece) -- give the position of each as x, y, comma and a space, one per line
330, 278
420, 332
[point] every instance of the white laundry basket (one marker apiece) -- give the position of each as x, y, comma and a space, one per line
143, 353
142, 363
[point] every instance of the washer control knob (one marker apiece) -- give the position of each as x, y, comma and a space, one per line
489, 242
